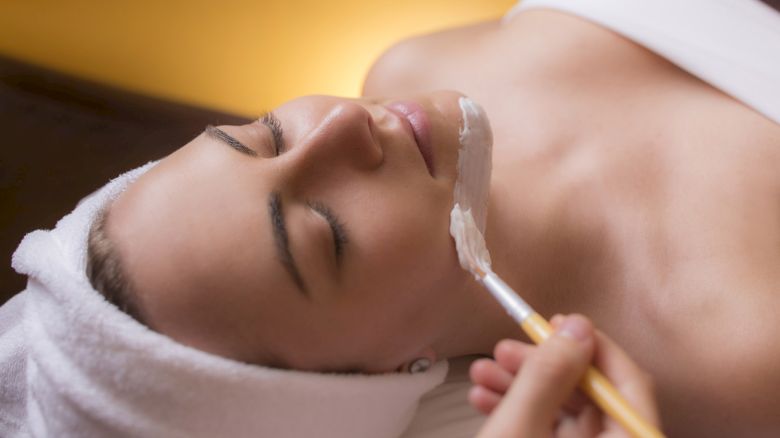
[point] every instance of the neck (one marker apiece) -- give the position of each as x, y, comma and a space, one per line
480, 322
536, 247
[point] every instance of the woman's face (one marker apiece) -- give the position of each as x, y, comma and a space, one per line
315, 239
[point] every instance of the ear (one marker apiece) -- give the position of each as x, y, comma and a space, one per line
426, 353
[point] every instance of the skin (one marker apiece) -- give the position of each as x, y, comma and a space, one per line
623, 189
195, 235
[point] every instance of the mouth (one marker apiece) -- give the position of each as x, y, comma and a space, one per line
416, 119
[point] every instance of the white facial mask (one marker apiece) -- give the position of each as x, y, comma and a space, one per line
469, 215
474, 161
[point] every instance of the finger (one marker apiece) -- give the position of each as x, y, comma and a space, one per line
567, 427
547, 379
586, 423
556, 320
488, 373
576, 402
589, 421
510, 354
483, 399
633, 383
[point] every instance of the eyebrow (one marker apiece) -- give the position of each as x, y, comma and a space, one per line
282, 241
222, 136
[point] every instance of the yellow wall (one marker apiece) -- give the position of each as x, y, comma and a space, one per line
236, 55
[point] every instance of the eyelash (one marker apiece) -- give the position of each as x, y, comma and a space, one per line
339, 233
269, 119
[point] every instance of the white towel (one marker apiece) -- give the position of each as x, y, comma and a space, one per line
74, 365
734, 45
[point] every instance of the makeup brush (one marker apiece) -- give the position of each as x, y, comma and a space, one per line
471, 250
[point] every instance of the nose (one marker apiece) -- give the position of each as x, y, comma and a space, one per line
343, 134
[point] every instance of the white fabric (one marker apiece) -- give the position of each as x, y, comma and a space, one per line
734, 45
74, 365
445, 411
12, 366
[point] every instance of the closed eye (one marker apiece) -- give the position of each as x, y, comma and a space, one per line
337, 228
275, 126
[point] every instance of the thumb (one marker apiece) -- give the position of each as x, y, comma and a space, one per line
548, 377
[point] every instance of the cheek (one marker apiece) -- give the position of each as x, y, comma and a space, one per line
388, 305
406, 269
405, 241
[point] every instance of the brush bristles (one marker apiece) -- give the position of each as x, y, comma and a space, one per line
469, 242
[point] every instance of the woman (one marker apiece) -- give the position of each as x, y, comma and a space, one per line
623, 188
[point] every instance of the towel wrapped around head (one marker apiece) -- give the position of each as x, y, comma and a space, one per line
71, 364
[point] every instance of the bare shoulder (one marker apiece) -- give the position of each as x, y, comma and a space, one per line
531, 45
414, 64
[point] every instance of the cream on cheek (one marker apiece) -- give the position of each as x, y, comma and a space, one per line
474, 161
468, 216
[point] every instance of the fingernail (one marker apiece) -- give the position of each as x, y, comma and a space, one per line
575, 328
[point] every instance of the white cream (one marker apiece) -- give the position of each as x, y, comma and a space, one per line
469, 214
474, 161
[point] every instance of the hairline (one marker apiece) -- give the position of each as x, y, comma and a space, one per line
106, 271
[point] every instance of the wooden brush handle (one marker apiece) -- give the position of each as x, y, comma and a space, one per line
597, 387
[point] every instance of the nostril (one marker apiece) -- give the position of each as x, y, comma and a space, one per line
351, 129
376, 144
374, 152
373, 130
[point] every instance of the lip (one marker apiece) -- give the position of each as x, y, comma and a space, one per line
417, 120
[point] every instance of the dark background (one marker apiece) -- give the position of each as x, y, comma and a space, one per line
62, 138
